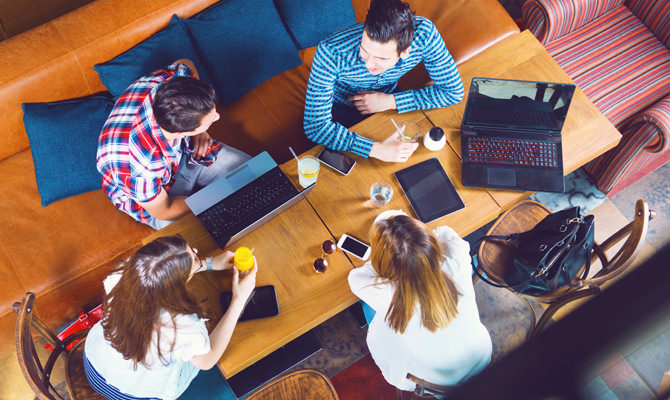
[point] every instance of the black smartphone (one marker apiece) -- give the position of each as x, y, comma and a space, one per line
261, 304
336, 160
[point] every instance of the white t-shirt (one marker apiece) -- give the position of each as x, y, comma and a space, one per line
446, 356
157, 380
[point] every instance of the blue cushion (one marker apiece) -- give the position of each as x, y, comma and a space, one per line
156, 52
310, 21
244, 43
64, 141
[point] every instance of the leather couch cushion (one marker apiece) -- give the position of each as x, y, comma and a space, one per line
309, 21
267, 118
161, 49
64, 139
46, 248
242, 49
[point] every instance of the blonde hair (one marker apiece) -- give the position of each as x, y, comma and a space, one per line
407, 254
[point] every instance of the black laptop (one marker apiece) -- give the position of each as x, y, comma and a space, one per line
237, 203
511, 134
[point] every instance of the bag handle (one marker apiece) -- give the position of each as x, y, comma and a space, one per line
475, 249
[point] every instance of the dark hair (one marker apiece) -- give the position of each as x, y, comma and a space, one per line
407, 254
152, 280
390, 19
180, 104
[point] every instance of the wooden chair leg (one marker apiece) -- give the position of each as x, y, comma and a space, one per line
551, 310
664, 390
533, 318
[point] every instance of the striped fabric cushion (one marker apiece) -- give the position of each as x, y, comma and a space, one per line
551, 19
655, 14
618, 63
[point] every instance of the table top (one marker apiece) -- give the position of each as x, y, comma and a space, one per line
287, 246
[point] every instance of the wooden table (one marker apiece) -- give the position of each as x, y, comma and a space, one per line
287, 246
285, 249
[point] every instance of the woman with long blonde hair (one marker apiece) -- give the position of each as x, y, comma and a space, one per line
152, 340
420, 303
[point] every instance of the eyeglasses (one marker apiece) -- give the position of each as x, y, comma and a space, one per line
320, 264
195, 251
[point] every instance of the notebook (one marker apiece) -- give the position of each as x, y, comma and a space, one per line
511, 134
237, 203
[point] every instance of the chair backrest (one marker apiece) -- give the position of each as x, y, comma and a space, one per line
301, 384
425, 389
37, 375
655, 14
494, 256
632, 235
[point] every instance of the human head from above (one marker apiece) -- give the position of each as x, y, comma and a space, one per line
152, 280
387, 34
406, 253
185, 106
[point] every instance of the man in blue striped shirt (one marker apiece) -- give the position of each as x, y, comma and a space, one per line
355, 72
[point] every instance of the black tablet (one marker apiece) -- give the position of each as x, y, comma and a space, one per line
429, 190
261, 304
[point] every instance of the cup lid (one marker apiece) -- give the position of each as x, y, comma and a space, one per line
436, 133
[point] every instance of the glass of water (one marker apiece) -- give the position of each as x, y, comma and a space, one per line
381, 193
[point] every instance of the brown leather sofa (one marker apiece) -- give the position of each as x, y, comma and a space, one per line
62, 252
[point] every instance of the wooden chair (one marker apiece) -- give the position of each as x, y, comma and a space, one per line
494, 256
301, 384
427, 390
37, 374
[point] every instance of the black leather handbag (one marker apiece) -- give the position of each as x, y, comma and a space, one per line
551, 255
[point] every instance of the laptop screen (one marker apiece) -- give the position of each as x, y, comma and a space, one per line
518, 104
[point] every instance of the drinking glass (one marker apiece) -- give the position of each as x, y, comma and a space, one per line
381, 193
409, 132
308, 170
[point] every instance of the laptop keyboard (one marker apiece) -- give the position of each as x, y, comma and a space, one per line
513, 152
511, 116
248, 204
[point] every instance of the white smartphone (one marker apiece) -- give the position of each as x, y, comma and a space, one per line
336, 160
353, 246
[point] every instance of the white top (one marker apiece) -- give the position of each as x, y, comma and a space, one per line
158, 380
446, 356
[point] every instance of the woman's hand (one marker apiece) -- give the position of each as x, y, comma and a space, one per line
223, 261
245, 284
199, 144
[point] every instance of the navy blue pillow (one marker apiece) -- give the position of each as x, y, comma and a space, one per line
244, 43
310, 21
64, 141
156, 52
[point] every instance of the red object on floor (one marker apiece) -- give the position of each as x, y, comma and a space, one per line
363, 380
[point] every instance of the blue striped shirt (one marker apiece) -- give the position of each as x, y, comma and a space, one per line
338, 72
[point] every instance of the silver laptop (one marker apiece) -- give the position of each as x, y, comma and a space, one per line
237, 203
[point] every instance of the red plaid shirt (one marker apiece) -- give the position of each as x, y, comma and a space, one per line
133, 157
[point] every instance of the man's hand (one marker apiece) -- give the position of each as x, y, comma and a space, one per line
369, 102
392, 149
199, 144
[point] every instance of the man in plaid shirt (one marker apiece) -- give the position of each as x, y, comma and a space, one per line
355, 72
154, 149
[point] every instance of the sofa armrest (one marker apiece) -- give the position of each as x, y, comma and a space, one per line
552, 19
652, 124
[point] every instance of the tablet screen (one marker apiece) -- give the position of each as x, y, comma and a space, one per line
429, 190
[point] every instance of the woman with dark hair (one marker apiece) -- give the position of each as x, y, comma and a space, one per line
420, 303
152, 340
